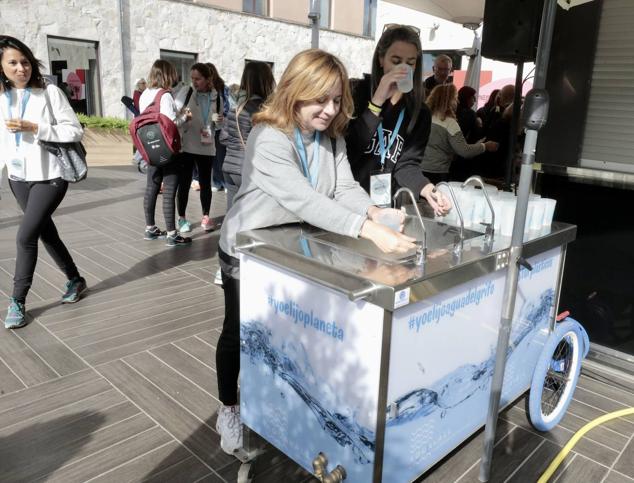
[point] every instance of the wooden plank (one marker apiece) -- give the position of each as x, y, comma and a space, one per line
199, 402
210, 337
63, 360
615, 477
55, 401
600, 402
199, 350
625, 463
134, 322
24, 362
122, 452
67, 439
535, 465
118, 347
9, 382
194, 434
560, 436
508, 454
189, 468
624, 396
170, 462
189, 367
42, 391
582, 469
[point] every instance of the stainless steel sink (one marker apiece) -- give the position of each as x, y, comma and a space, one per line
439, 236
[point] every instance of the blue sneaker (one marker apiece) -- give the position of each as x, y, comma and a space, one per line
184, 226
15, 315
74, 289
154, 233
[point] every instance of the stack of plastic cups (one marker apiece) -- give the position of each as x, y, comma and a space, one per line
466, 200
549, 211
537, 218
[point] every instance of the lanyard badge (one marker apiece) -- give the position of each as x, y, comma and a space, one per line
17, 165
380, 181
311, 172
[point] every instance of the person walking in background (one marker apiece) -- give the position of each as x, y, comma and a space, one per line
442, 68
256, 85
34, 174
163, 76
222, 91
446, 139
295, 168
199, 147
389, 130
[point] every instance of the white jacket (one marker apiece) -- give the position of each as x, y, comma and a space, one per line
40, 165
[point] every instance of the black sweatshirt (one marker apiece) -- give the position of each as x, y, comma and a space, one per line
404, 157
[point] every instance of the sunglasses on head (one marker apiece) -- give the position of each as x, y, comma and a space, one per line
390, 26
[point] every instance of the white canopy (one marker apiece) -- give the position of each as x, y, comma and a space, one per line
459, 11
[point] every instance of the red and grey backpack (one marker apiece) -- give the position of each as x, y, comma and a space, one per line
155, 135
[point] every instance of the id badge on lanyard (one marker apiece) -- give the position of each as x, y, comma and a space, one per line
381, 181
206, 136
17, 164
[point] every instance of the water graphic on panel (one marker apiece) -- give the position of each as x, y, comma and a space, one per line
290, 364
430, 421
460, 385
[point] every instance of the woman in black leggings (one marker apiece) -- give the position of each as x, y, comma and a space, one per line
162, 77
34, 175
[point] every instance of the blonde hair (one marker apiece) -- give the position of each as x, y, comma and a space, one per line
162, 75
310, 75
443, 100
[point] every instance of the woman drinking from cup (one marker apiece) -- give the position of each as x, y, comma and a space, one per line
34, 112
387, 138
295, 168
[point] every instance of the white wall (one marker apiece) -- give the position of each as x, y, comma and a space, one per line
222, 37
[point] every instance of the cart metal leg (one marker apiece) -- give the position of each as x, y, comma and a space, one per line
247, 455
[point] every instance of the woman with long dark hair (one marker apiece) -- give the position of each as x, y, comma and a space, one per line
256, 85
221, 90
387, 138
33, 112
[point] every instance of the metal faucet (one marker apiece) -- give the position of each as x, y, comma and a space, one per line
423, 250
320, 464
457, 248
488, 234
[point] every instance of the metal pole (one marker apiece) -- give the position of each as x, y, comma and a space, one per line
515, 120
510, 289
314, 16
124, 73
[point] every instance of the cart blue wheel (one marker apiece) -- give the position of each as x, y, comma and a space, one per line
555, 376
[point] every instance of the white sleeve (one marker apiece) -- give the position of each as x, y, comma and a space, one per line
169, 109
68, 129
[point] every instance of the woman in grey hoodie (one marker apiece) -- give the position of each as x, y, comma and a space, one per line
295, 168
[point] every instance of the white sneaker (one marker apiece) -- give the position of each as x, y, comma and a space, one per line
229, 428
218, 278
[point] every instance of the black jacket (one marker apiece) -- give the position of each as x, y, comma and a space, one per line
404, 157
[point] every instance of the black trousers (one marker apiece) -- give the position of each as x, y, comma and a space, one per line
168, 175
203, 166
228, 350
38, 200
219, 159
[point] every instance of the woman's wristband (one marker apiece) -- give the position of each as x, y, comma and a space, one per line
374, 108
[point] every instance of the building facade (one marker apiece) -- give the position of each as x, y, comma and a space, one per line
96, 49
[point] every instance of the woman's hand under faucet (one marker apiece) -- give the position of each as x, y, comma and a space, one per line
438, 201
388, 240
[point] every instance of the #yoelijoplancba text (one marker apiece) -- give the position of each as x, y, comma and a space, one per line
306, 317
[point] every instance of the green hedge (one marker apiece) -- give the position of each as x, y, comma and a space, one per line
104, 122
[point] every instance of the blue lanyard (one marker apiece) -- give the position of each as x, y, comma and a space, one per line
25, 100
204, 110
312, 173
384, 151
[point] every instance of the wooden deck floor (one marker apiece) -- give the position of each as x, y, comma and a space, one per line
121, 386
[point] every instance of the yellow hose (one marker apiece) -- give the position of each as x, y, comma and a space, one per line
575, 439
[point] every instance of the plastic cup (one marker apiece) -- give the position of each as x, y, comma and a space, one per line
508, 216
529, 214
549, 211
407, 83
538, 214
214, 117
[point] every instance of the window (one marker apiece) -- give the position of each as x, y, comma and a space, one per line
258, 7
74, 68
183, 62
324, 14
369, 18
